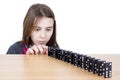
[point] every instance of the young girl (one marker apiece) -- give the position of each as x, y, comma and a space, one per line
39, 32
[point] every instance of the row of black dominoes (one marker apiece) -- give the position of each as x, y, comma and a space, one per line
97, 66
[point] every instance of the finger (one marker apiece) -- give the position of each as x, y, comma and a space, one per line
36, 50
40, 49
45, 48
47, 52
30, 52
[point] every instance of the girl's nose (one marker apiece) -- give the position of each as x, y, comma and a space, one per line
43, 34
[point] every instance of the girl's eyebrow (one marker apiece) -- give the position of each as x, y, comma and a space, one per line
36, 26
46, 27
49, 27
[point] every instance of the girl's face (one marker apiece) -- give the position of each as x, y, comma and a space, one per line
43, 31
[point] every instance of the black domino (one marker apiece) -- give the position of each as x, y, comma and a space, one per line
75, 57
95, 67
86, 62
90, 64
79, 60
100, 66
107, 70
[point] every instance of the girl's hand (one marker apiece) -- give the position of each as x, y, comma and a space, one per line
37, 50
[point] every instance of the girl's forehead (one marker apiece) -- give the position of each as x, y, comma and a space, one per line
43, 21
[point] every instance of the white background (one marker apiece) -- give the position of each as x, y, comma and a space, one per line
83, 26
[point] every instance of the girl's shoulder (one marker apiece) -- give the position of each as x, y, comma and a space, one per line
15, 48
18, 44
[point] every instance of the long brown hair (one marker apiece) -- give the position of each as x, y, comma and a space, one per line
38, 10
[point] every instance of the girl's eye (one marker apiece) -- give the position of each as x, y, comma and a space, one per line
48, 29
37, 29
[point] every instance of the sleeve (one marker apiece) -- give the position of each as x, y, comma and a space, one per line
12, 50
